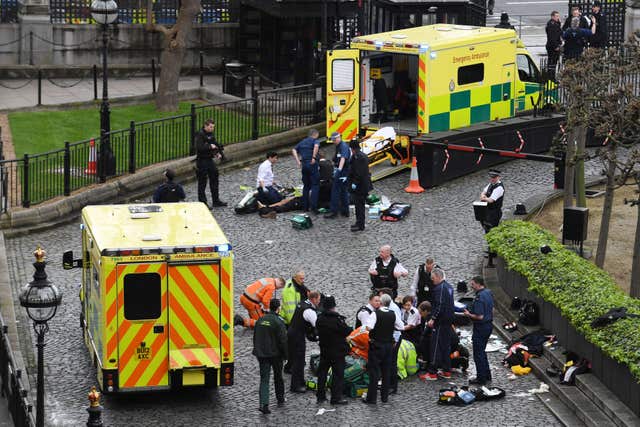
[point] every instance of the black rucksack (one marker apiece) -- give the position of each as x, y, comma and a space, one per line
529, 313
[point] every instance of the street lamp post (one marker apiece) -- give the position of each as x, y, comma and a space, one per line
41, 299
104, 12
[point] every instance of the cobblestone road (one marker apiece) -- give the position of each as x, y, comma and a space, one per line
441, 223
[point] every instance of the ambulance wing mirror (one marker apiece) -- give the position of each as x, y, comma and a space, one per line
69, 263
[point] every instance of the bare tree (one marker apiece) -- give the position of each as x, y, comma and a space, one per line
575, 79
173, 51
616, 117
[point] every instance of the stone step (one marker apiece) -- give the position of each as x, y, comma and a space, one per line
556, 406
595, 390
583, 408
601, 405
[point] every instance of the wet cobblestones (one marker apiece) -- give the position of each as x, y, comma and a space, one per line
441, 224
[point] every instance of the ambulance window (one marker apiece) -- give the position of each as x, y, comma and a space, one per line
142, 296
470, 74
527, 70
342, 72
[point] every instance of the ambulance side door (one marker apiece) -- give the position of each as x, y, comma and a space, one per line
528, 86
343, 92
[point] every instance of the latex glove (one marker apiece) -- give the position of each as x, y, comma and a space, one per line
353, 187
336, 173
342, 179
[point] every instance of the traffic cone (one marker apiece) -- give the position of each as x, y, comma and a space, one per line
414, 183
92, 167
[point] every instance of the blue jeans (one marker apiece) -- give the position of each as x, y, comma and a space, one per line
480, 338
339, 197
269, 195
311, 186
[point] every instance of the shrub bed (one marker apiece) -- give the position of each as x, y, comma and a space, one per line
579, 289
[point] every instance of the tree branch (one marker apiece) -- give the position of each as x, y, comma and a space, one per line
151, 26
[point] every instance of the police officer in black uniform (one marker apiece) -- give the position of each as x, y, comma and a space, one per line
359, 182
422, 283
332, 333
301, 328
493, 194
385, 271
169, 192
207, 149
381, 324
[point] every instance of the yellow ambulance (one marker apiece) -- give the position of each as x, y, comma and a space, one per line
156, 296
427, 79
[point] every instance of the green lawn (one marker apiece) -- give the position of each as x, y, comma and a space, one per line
42, 131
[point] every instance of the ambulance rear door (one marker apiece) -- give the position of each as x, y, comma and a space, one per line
143, 361
343, 92
195, 320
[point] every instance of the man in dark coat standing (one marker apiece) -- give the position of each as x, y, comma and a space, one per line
599, 39
207, 149
359, 182
270, 347
332, 331
554, 42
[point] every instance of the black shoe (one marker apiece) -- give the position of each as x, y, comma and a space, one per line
330, 215
393, 391
345, 214
356, 228
367, 401
264, 409
340, 402
238, 320
321, 400
301, 389
281, 403
477, 381
218, 204
384, 400
287, 369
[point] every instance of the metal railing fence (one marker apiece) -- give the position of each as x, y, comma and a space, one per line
34, 179
11, 383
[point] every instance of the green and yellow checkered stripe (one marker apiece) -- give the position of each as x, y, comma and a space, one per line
464, 108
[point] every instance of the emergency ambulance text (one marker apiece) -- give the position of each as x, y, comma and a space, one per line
472, 57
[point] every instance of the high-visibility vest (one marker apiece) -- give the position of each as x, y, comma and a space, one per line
261, 291
407, 359
290, 300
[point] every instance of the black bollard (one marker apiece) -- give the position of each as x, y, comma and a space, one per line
94, 409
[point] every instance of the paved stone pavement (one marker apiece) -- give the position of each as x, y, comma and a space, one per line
441, 223
12, 95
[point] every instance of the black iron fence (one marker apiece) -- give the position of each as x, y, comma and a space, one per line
34, 179
11, 384
135, 11
8, 11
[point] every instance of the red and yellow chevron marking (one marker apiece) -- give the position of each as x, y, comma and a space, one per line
194, 357
226, 322
135, 370
347, 128
194, 307
423, 126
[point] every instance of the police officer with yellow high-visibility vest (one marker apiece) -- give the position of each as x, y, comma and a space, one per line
294, 291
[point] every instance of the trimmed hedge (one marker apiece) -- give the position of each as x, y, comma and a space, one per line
579, 289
